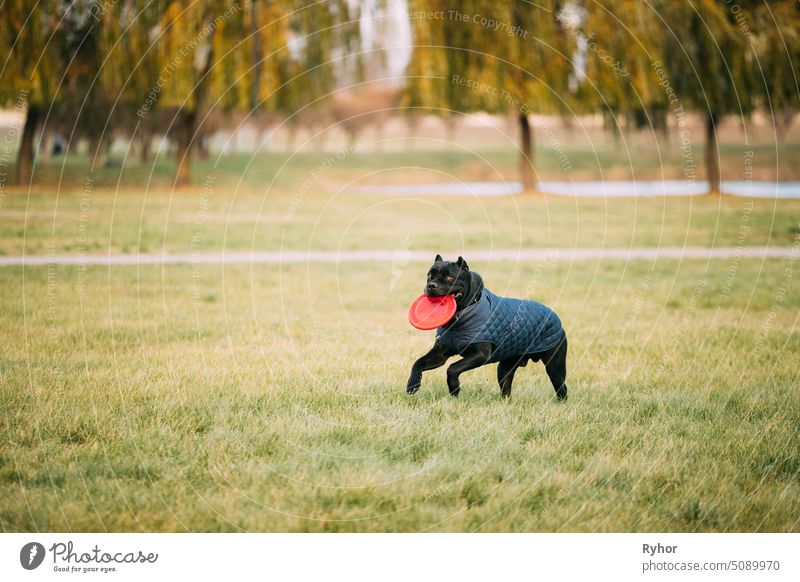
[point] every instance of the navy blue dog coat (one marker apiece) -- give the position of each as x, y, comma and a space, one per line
515, 326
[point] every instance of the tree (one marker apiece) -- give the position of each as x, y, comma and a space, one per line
618, 43
778, 49
709, 59
129, 71
33, 67
537, 74
83, 104
188, 42
143, 65
254, 57
354, 110
490, 56
319, 38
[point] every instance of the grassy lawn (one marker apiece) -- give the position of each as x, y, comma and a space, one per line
322, 201
239, 398
574, 159
213, 398
131, 221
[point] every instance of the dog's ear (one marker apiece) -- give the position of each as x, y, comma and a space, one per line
462, 263
438, 259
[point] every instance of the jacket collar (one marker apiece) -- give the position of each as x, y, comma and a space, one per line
467, 313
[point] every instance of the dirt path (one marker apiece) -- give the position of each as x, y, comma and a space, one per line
280, 257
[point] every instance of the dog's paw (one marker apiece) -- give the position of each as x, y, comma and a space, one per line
412, 389
455, 393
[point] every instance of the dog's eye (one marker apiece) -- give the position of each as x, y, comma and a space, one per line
450, 278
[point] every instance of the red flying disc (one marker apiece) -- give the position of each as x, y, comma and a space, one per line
431, 312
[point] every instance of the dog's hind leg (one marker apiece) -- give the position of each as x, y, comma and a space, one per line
505, 373
435, 358
555, 362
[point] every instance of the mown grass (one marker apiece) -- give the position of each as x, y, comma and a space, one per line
573, 159
323, 201
260, 398
132, 221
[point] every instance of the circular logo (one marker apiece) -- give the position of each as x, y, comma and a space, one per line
31, 555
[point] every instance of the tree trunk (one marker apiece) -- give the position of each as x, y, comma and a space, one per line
202, 147
412, 126
261, 132
526, 161
783, 123
184, 135
291, 137
379, 129
71, 145
45, 145
712, 155
145, 140
255, 87
25, 153
96, 150
352, 136
233, 142
187, 118
319, 138
450, 128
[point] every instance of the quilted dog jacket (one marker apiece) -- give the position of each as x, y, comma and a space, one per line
515, 327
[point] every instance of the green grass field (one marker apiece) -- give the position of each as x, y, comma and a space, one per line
132, 221
266, 398
274, 400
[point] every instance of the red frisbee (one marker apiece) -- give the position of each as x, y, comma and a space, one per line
431, 312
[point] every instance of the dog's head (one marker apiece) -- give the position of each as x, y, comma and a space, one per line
453, 278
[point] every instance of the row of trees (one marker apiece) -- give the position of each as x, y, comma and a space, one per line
641, 62
92, 68
95, 68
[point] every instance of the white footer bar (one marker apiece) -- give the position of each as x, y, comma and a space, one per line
371, 557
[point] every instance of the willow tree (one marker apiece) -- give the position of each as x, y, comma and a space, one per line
539, 69
777, 27
172, 63
491, 56
55, 59
128, 37
33, 67
187, 42
320, 37
249, 57
84, 103
426, 76
709, 59
251, 79
620, 47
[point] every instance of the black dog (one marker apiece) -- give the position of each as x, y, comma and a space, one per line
487, 329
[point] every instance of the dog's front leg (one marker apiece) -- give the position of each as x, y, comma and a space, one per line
436, 357
475, 356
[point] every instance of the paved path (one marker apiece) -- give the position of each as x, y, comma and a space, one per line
592, 189
280, 257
